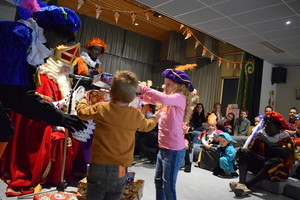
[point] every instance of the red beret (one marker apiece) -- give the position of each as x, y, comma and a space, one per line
279, 118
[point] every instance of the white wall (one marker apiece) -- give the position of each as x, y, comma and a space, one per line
266, 87
7, 11
286, 92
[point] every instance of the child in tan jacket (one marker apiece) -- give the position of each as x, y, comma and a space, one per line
114, 137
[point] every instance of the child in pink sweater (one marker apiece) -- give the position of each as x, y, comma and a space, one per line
174, 112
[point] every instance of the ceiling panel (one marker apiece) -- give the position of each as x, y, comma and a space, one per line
286, 41
244, 23
232, 33
245, 40
261, 52
239, 6
281, 59
291, 48
212, 2
178, 7
274, 25
274, 35
253, 46
216, 25
295, 53
153, 3
200, 16
295, 5
269, 13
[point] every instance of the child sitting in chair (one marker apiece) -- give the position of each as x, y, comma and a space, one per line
227, 152
209, 136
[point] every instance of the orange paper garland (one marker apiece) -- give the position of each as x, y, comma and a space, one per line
188, 33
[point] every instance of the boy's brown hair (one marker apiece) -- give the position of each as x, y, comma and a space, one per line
124, 86
245, 111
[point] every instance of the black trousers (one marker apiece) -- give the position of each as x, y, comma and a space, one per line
250, 161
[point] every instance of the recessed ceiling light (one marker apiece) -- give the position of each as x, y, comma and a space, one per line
288, 22
136, 24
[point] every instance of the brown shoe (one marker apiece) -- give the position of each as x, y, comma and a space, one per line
232, 185
223, 175
241, 190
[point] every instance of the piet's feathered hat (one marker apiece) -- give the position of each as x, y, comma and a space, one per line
58, 16
47, 15
179, 77
96, 42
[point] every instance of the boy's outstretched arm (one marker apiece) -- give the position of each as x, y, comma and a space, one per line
85, 112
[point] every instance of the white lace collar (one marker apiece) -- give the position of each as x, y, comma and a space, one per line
38, 50
85, 56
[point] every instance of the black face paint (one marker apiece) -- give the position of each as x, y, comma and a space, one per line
271, 126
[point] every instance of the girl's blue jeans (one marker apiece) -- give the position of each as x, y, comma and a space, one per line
167, 166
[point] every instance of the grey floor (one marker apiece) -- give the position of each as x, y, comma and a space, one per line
199, 184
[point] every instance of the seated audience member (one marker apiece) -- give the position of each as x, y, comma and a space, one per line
268, 109
228, 124
227, 167
146, 144
295, 172
209, 138
148, 83
198, 118
257, 119
291, 121
188, 147
217, 111
146, 141
113, 145
269, 155
242, 124
195, 98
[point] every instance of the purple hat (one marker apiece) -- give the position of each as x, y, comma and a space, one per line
58, 16
179, 77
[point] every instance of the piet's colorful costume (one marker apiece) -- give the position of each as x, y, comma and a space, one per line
269, 155
20, 52
85, 65
35, 153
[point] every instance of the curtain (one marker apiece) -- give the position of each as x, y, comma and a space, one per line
249, 88
126, 50
207, 80
176, 48
130, 51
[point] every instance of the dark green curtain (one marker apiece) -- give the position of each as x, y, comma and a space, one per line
249, 88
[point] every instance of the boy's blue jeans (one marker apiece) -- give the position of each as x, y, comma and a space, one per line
105, 182
167, 166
